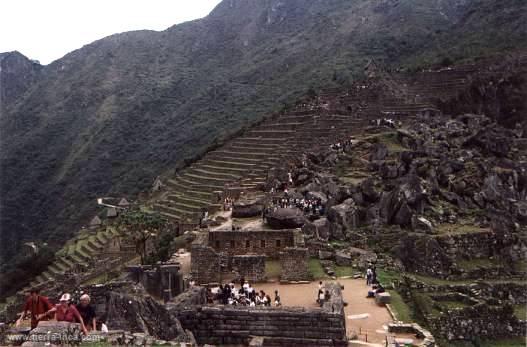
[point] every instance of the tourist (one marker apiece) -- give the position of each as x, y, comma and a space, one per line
67, 312
320, 297
87, 312
320, 285
267, 300
210, 297
277, 301
369, 275
36, 305
374, 274
251, 292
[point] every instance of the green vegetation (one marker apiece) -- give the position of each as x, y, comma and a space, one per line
520, 311
403, 312
424, 305
344, 271
471, 264
315, 269
458, 229
272, 269
453, 304
390, 140
386, 278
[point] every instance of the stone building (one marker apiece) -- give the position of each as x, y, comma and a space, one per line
245, 252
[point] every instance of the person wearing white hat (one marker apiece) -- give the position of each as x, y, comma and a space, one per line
67, 312
87, 312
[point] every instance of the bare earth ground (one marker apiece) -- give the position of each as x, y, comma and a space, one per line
354, 294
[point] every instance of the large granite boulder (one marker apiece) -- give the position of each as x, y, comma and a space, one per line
343, 218
247, 207
317, 229
286, 218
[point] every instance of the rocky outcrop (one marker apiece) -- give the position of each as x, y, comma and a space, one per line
286, 218
129, 308
245, 208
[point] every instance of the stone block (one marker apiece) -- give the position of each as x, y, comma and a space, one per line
383, 298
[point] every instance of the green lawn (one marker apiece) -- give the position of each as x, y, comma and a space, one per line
345, 271
315, 269
402, 311
272, 269
386, 278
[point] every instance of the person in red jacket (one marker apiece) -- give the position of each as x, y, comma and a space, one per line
36, 305
67, 312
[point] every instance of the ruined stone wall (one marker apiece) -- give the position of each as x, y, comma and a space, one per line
251, 267
478, 321
205, 265
481, 244
294, 263
160, 281
281, 326
262, 242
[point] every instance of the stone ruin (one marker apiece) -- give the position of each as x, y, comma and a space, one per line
269, 326
468, 311
161, 280
245, 252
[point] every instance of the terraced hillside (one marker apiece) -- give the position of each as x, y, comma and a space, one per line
74, 256
334, 115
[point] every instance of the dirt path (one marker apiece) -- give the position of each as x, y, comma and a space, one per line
354, 294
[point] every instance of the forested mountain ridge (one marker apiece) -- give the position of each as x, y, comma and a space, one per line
108, 118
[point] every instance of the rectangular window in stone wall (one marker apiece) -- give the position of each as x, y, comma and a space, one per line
278, 243
247, 244
217, 244
262, 243
232, 244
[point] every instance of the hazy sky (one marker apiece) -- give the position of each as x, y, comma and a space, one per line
48, 29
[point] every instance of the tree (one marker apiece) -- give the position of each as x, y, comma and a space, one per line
141, 226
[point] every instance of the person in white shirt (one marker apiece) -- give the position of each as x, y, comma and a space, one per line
369, 276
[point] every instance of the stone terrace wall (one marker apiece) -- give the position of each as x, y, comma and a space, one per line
205, 265
480, 321
263, 242
281, 326
294, 263
251, 267
479, 245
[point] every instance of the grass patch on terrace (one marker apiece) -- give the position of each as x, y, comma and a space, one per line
345, 271
447, 228
386, 278
453, 304
352, 180
472, 264
520, 311
272, 268
102, 278
402, 311
389, 139
438, 281
315, 269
